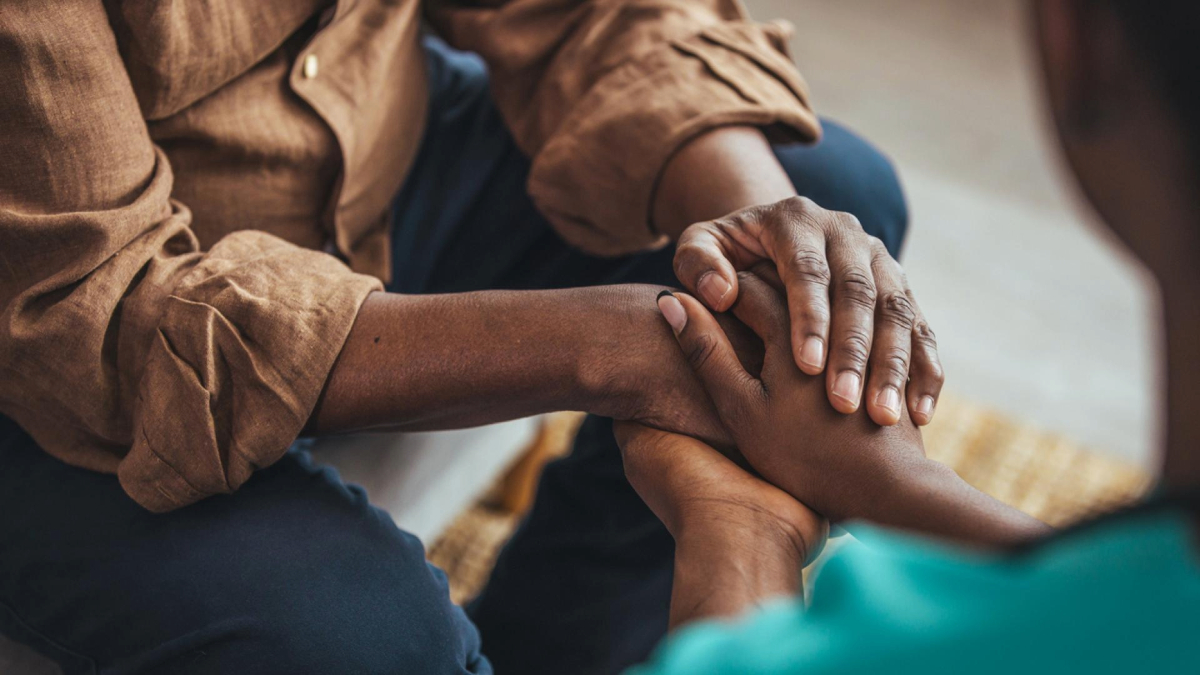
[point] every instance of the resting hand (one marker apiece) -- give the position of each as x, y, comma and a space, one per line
739, 541
693, 488
843, 466
850, 306
837, 464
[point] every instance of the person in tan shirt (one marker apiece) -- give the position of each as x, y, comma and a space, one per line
227, 225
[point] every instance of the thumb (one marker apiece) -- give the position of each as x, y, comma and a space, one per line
735, 392
702, 265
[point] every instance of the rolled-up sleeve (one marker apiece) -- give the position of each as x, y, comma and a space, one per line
600, 94
124, 348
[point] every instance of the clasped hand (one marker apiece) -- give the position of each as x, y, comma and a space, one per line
806, 447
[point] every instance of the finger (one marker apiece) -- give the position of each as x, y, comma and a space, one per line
703, 265
762, 308
799, 254
735, 392
852, 295
925, 376
891, 350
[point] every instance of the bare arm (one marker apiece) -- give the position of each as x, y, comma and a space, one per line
844, 466
439, 361
449, 361
929, 497
422, 362
739, 541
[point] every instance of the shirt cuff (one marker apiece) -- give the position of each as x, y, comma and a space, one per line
595, 176
240, 353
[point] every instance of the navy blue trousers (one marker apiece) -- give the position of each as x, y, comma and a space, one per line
296, 572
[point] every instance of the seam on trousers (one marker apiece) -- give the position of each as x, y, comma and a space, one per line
9, 618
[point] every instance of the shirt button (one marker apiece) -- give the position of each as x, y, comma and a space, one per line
311, 66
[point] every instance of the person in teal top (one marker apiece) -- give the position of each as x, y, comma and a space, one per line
1121, 598
941, 578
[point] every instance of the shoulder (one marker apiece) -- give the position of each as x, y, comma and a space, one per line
1112, 598
180, 52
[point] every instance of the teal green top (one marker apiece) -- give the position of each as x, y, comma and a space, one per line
1118, 597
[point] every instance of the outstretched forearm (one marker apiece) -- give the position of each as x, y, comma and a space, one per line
450, 361
931, 498
424, 362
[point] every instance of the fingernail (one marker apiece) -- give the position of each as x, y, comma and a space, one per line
713, 288
889, 399
846, 387
925, 407
813, 353
672, 311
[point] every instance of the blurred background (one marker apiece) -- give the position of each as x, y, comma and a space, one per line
1037, 313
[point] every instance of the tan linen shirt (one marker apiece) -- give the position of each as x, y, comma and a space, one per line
171, 171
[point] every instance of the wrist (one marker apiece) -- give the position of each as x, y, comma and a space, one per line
629, 366
904, 490
723, 576
935, 500
767, 564
623, 330
725, 529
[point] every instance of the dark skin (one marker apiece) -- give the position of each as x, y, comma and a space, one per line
724, 550
439, 362
1133, 156
845, 467
730, 555
830, 269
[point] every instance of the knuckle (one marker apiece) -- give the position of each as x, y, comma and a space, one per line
855, 345
856, 286
679, 263
924, 336
930, 366
896, 308
797, 205
893, 365
699, 230
815, 315
882, 256
689, 257
847, 222
799, 213
701, 351
734, 221
685, 250
809, 265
